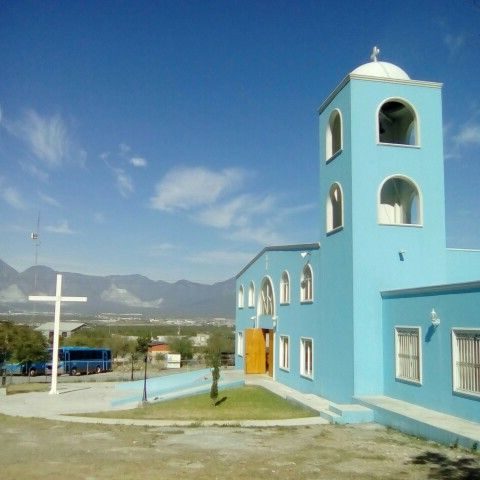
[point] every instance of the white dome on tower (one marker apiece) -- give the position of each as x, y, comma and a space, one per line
380, 69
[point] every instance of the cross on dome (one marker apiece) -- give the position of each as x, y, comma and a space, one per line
375, 53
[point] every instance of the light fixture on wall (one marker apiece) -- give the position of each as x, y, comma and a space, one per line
401, 255
274, 322
305, 254
434, 317
253, 318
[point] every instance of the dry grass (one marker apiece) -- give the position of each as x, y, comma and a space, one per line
27, 387
44, 450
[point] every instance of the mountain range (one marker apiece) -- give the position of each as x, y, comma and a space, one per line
117, 293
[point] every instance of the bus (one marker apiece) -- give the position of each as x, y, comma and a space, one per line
31, 368
73, 360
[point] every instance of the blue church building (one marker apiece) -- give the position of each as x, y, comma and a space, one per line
379, 311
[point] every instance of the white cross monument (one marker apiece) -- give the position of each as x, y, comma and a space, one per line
58, 299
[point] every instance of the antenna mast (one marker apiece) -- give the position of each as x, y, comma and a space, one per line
35, 236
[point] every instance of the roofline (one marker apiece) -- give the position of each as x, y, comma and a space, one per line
356, 76
279, 248
433, 289
453, 249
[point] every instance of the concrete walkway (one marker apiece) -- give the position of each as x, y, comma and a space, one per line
73, 399
423, 422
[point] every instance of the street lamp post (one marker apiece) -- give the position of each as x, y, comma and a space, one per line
144, 398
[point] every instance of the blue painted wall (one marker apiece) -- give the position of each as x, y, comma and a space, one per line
456, 308
295, 320
376, 261
336, 268
462, 265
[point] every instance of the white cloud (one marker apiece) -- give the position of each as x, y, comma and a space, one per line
223, 257
161, 249
121, 295
262, 235
469, 134
187, 188
138, 162
11, 196
48, 200
35, 172
47, 138
454, 42
99, 218
12, 294
237, 212
124, 182
62, 228
124, 149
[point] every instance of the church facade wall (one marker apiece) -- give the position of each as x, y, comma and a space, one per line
456, 309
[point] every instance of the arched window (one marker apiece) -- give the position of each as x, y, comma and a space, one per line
334, 208
267, 305
251, 295
306, 284
333, 135
285, 288
400, 202
240, 297
397, 123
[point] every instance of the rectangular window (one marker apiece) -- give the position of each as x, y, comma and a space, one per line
466, 361
240, 343
284, 353
306, 357
408, 354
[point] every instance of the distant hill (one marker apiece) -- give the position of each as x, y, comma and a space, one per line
118, 293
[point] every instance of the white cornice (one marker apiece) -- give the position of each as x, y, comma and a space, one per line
354, 76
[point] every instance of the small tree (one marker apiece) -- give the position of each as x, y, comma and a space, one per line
183, 346
213, 356
142, 345
215, 378
142, 348
136, 350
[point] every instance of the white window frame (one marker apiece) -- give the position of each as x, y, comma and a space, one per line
267, 298
330, 135
241, 297
466, 363
416, 123
240, 344
334, 208
251, 295
285, 288
408, 354
284, 353
306, 357
396, 211
306, 288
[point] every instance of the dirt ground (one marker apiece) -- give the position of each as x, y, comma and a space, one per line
41, 449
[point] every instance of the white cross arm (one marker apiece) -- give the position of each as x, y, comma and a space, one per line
43, 298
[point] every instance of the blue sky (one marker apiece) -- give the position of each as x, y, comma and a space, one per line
176, 139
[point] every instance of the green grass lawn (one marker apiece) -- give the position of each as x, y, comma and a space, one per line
244, 403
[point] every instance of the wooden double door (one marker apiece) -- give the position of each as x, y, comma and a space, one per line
259, 350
